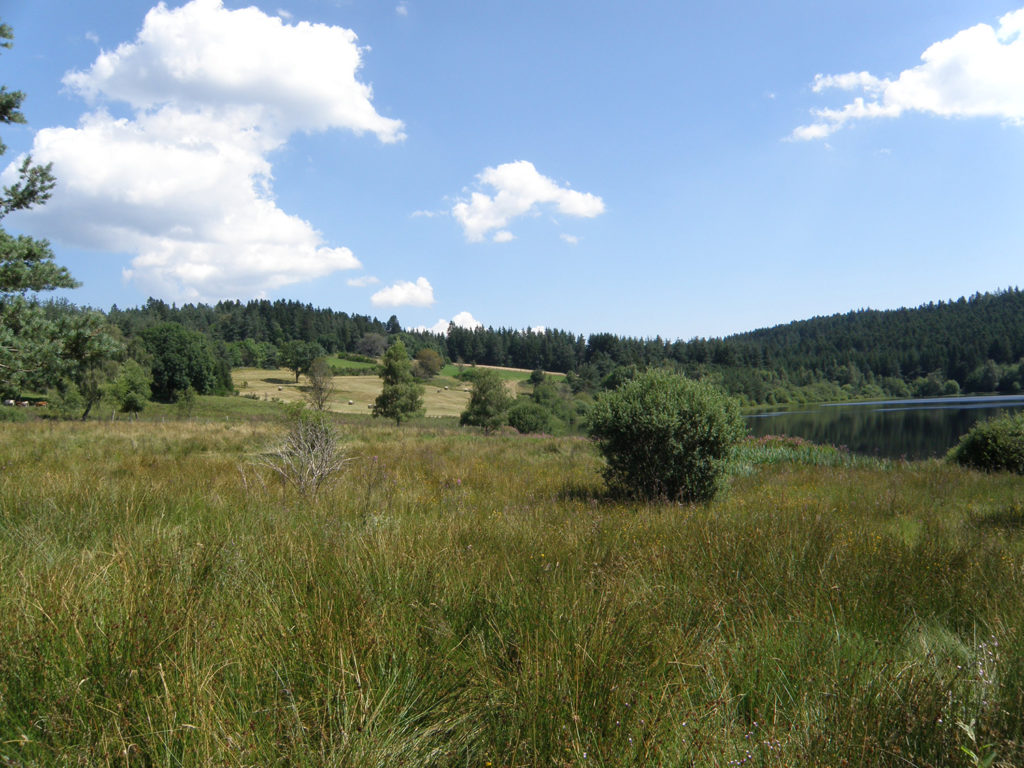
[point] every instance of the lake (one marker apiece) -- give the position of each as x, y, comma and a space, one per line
913, 428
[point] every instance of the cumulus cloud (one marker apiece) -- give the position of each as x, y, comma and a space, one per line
362, 282
440, 327
461, 320
466, 320
518, 190
184, 184
979, 72
405, 294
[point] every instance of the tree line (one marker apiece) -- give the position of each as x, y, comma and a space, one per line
973, 344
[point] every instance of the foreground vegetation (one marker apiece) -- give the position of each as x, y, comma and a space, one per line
461, 600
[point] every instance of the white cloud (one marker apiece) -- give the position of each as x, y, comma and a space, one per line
362, 282
461, 320
402, 9
503, 236
570, 239
92, 37
286, 15
519, 190
538, 330
466, 320
202, 56
440, 327
185, 183
979, 72
405, 294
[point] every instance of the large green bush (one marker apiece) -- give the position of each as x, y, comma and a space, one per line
489, 403
527, 416
994, 445
666, 436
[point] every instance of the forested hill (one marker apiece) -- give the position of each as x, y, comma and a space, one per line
954, 338
972, 344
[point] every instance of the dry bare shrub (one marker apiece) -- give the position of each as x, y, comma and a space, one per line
310, 456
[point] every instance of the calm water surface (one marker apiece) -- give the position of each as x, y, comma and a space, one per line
914, 429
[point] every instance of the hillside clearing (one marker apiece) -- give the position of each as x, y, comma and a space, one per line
442, 396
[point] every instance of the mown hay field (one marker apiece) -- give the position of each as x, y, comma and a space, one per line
442, 396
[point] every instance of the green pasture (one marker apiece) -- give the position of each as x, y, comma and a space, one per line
508, 374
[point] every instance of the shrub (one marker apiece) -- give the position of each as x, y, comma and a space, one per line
489, 402
130, 389
993, 445
185, 401
427, 364
665, 436
309, 457
527, 416
66, 402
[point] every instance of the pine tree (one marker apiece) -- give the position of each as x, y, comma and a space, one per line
30, 342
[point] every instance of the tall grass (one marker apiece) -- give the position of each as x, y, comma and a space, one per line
456, 600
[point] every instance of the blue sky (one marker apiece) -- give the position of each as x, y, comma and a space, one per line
655, 168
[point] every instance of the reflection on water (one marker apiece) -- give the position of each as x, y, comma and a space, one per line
913, 429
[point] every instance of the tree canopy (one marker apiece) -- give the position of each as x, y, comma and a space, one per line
298, 355
181, 359
39, 344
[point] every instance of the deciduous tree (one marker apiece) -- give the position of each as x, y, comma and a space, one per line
321, 384
401, 397
488, 403
428, 363
298, 356
181, 358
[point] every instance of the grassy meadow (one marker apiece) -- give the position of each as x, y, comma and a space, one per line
460, 600
443, 395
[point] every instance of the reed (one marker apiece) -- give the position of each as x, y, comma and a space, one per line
456, 600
